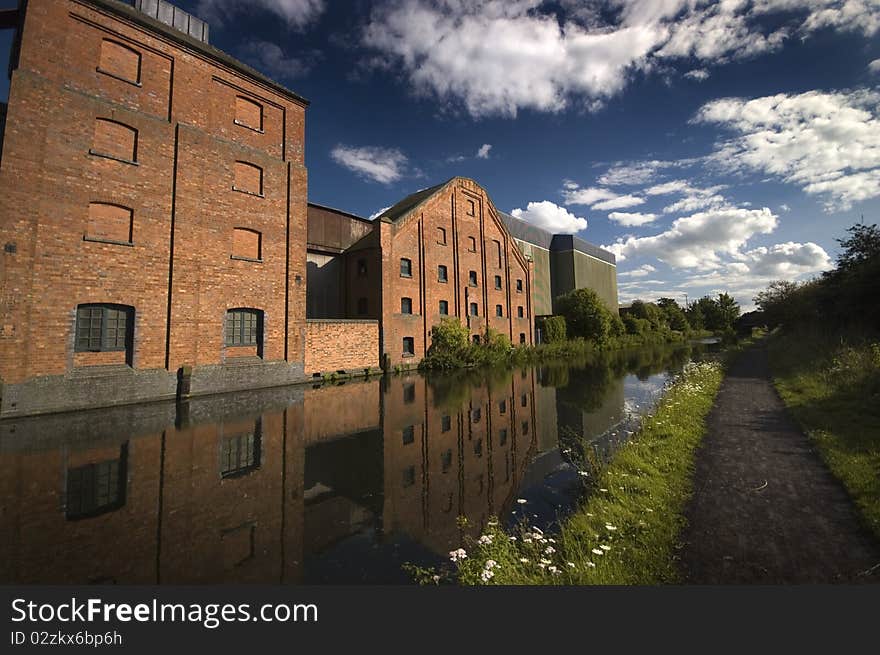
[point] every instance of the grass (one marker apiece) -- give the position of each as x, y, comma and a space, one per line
627, 529
831, 384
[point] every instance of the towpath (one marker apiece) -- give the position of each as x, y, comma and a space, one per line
765, 508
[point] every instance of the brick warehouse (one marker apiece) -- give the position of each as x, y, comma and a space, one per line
157, 236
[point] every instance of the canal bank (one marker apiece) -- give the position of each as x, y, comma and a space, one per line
341, 483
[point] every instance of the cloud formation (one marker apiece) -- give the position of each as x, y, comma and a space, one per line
634, 219
385, 165
551, 217
483, 152
270, 59
499, 57
296, 13
828, 144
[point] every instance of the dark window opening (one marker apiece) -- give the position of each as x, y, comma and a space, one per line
101, 328
499, 310
406, 305
472, 278
519, 286
522, 337
97, 488
405, 267
476, 414
502, 406
497, 281
476, 339
525, 427
244, 327
475, 312
478, 448
442, 274
409, 435
519, 312
409, 346
409, 476
446, 460
444, 308
524, 400
240, 453
502, 437
445, 423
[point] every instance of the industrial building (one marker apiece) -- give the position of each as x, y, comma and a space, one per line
158, 242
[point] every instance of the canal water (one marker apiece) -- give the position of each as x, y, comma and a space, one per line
310, 485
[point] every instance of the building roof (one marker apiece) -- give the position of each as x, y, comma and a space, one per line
121, 8
525, 231
413, 200
339, 211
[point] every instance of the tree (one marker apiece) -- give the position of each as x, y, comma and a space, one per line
585, 314
673, 314
728, 311
695, 317
649, 312
553, 329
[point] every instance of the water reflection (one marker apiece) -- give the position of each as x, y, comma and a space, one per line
304, 485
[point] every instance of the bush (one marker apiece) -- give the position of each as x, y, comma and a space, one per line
586, 316
554, 329
637, 326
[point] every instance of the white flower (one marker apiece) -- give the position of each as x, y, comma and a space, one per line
485, 539
598, 551
538, 530
436, 578
456, 555
608, 526
600, 489
524, 560
545, 561
512, 538
521, 501
604, 547
571, 564
491, 564
486, 575
591, 565
553, 570
549, 550
583, 474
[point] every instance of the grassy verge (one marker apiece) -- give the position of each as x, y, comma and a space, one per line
832, 387
626, 531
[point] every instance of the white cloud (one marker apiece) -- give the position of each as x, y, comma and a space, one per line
498, 57
698, 74
483, 152
574, 195
632, 173
699, 240
786, 261
270, 59
619, 202
826, 143
631, 219
784, 207
874, 66
641, 271
383, 165
296, 13
551, 217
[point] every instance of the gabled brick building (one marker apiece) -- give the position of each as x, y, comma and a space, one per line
153, 205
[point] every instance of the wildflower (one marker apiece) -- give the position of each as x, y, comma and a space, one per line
591, 565
521, 501
604, 547
553, 570
608, 526
538, 530
512, 538
605, 490
524, 560
552, 540
491, 563
571, 564
485, 539
487, 575
598, 551
583, 474
436, 579
457, 555
549, 550
545, 561
527, 540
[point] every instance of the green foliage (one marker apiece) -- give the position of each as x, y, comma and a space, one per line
718, 315
673, 315
554, 329
586, 316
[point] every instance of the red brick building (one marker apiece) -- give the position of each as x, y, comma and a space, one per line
153, 206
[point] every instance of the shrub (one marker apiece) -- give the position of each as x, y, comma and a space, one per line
585, 315
554, 329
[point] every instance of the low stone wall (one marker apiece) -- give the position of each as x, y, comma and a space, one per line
341, 345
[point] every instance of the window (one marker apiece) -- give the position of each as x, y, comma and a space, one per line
409, 393
441, 236
406, 305
519, 286
472, 278
244, 327
476, 339
120, 61
405, 267
445, 423
499, 310
96, 488
502, 437
478, 448
247, 244
114, 140
522, 337
240, 453
442, 274
474, 312
409, 435
102, 328
472, 244
362, 268
446, 460
248, 113
247, 178
497, 251
110, 223
362, 306
471, 208
497, 281
409, 347
525, 427
519, 312
502, 407
476, 415
444, 308
524, 400
409, 476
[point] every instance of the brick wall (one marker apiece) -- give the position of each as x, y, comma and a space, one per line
341, 345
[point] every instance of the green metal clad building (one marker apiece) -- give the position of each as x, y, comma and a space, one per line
563, 263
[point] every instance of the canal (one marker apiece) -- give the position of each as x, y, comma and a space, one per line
339, 483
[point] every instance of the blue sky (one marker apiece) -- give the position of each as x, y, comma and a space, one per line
713, 146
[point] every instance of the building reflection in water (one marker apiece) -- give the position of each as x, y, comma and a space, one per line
289, 485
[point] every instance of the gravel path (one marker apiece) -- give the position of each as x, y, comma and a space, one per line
765, 508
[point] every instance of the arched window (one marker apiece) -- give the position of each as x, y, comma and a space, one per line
114, 140
109, 222
247, 244
120, 61
248, 178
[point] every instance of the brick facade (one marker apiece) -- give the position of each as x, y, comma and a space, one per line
131, 158
334, 345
